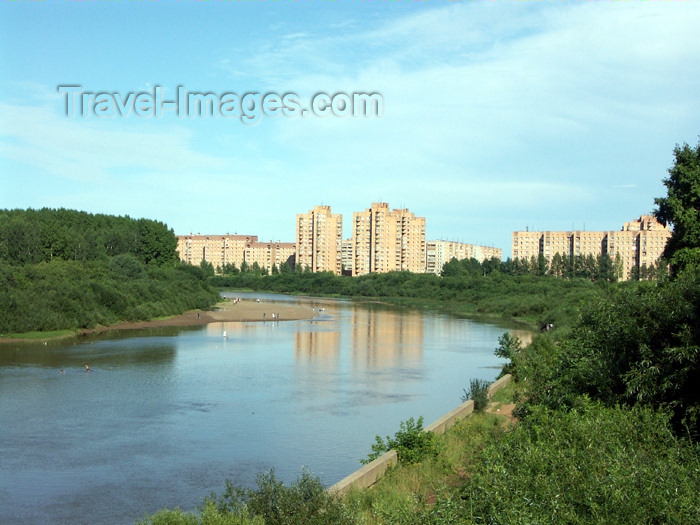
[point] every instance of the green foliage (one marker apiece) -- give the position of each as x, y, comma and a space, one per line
63, 269
170, 517
411, 443
536, 300
303, 502
588, 466
509, 346
478, 392
681, 209
592, 465
33, 236
76, 294
640, 345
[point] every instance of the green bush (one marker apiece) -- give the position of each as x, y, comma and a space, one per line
586, 466
411, 443
478, 392
303, 502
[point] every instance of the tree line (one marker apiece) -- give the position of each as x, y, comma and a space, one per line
608, 412
34, 236
596, 268
65, 269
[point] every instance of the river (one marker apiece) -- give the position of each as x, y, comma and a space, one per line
166, 415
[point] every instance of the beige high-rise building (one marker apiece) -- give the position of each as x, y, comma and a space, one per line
220, 250
269, 254
347, 256
439, 252
319, 237
386, 241
639, 244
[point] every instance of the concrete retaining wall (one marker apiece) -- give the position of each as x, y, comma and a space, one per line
370, 473
367, 475
448, 420
497, 385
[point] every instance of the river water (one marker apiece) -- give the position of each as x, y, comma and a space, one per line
165, 416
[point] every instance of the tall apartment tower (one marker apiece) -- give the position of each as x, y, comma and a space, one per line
319, 240
385, 241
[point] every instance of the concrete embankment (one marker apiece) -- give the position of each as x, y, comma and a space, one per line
370, 473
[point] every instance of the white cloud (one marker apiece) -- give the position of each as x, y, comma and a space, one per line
521, 107
89, 149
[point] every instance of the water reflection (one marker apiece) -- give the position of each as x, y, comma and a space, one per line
105, 353
165, 416
382, 338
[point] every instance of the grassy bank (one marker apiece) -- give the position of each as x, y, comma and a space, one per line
595, 465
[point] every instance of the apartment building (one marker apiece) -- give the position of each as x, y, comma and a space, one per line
220, 250
319, 237
639, 243
346, 256
269, 254
439, 252
385, 240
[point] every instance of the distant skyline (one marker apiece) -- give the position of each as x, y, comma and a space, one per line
498, 116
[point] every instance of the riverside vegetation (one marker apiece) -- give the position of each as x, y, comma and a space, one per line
608, 412
608, 402
67, 270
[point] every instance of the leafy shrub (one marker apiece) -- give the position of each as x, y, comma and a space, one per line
478, 392
509, 346
303, 502
590, 465
411, 443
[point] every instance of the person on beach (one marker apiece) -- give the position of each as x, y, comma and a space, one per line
87, 368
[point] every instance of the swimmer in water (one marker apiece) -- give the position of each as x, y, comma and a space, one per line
87, 368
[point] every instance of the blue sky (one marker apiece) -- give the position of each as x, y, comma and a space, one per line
497, 116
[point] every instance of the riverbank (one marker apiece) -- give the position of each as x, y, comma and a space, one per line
243, 310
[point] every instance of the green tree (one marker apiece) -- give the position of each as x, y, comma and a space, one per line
207, 267
558, 267
508, 348
681, 209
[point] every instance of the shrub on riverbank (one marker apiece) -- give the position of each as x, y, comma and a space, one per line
303, 502
411, 443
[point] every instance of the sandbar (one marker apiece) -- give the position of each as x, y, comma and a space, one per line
227, 310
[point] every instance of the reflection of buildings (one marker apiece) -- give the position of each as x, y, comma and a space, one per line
232, 328
525, 336
317, 345
380, 337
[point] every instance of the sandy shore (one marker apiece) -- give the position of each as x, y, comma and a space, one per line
226, 311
